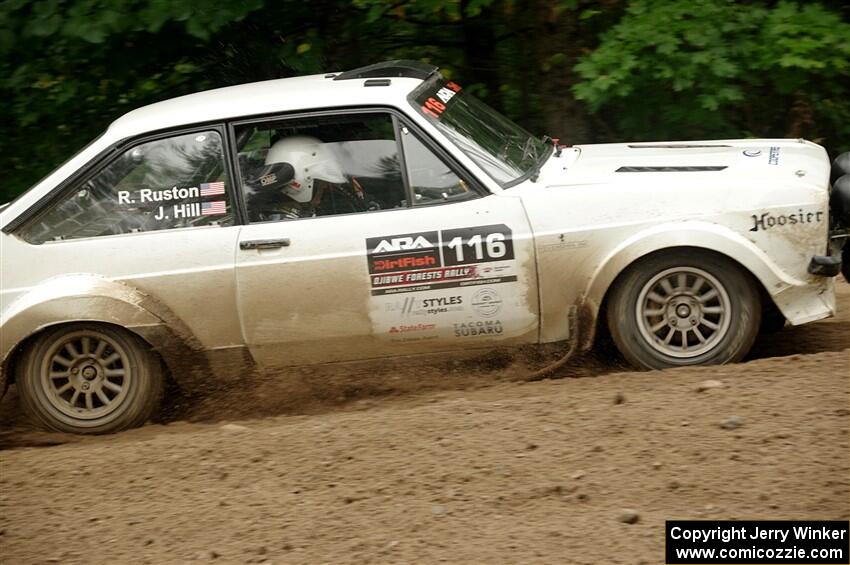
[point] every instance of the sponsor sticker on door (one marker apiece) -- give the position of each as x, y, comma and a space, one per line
413, 262
450, 283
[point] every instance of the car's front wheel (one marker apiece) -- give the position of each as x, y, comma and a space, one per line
684, 307
89, 379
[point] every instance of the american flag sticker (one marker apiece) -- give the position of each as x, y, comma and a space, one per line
212, 188
214, 208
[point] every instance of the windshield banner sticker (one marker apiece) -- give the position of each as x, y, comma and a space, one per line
443, 283
435, 104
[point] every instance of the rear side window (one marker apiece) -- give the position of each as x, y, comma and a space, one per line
176, 182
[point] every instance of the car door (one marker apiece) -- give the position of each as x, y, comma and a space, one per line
398, 255
159, 217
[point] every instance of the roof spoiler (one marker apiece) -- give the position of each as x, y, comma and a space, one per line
389, 69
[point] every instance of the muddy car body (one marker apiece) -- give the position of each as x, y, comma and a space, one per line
438, 226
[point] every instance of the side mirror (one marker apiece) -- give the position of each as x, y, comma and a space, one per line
274, 176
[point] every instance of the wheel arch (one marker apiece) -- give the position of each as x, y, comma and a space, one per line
88, 298
703, 237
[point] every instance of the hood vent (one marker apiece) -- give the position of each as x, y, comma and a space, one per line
674, 146
668, 169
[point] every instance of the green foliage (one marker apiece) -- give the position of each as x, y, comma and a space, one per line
67, 68
717, 68
640, 69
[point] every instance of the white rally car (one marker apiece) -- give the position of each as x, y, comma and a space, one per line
383, 212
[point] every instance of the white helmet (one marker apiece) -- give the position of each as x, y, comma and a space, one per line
310, 158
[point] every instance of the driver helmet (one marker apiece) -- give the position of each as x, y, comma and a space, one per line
311, 160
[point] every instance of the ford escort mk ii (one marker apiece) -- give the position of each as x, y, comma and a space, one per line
385, 212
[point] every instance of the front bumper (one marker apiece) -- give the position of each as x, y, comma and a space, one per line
838, 260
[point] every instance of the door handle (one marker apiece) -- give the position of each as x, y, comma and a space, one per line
264, 243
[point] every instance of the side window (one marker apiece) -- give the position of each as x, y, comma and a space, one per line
431, 180
168, 183
320, 166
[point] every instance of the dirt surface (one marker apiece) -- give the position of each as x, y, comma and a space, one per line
453, 465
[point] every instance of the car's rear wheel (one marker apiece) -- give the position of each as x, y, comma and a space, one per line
89, 379
684, 307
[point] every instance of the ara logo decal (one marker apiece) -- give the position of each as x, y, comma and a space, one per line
403, 252
752, 152
432, 252
402, 244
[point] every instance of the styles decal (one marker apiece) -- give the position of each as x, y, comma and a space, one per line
413, 305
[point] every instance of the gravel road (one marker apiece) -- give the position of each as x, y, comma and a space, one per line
460, 466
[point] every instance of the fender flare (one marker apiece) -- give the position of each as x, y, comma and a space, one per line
702, 235
92, 298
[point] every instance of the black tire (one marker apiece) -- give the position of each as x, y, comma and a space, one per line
89, 379
772, 319
681, 322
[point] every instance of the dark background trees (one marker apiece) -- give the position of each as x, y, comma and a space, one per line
583, 71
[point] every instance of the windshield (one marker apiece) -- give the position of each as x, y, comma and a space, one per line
505, 151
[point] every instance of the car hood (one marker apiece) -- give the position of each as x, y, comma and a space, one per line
754, 161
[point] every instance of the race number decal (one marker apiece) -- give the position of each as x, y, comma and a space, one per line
482, 244
411, 262
460, 283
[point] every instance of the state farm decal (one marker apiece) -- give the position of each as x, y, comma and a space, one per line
411, 328
430, 260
